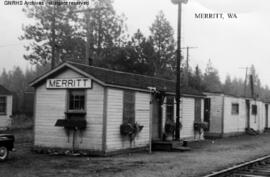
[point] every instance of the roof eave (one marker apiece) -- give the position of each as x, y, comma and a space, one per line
44, 76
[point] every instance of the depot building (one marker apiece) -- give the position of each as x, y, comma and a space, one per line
102, 111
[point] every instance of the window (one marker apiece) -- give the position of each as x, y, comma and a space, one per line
235, 109
77, 100
198, 110
170, 108
3, 105
254, 109
129, 107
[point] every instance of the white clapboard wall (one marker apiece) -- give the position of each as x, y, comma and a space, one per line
51, 105
115, 141
5, 120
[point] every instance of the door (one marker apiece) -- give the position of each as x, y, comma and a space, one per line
266, 115
156, 119
207, 111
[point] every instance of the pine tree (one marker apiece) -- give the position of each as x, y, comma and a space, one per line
68, 43
164, 45
211, 78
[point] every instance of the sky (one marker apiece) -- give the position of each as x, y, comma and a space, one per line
230, 44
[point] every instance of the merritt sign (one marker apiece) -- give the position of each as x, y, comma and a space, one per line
69, 83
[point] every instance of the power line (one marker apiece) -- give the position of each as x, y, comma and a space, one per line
188, 53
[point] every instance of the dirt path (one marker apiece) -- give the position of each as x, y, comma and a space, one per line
204, 158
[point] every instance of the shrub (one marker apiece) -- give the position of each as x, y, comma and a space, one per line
199, 126
170, 127
130, 129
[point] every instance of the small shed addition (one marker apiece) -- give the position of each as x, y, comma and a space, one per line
230, 115
5, 107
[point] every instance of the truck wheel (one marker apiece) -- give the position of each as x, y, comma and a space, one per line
3, 153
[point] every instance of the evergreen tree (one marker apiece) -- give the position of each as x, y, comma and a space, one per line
68, 42
196, 79
211, 78
4, 79
106, 31
227, 87
164, 45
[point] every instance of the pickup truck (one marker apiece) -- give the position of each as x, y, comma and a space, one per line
6, 145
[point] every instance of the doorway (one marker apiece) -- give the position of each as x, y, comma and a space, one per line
248, 113
156, 119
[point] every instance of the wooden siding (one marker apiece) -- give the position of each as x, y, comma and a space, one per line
5, 120
142, 113
202, 109
202, 116
164, 110
115, 141
51, 105
187, 117
94, 117
234, 123
261, 118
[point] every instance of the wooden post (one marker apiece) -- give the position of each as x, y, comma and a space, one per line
178, 63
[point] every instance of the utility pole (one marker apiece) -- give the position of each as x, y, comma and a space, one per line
187, 62
178, 63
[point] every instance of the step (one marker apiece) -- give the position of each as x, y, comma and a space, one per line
170, 146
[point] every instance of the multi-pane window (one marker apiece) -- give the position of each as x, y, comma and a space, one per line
235, 109
3, 105
198, 110
76, 100
254, 109
170, 108
129, 107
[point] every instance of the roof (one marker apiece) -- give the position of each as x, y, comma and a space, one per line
235, 96
109, 77
4, 91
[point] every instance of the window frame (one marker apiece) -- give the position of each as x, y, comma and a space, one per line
128, 105
254, 109
235, 112
69, 91
170, 116
5, 105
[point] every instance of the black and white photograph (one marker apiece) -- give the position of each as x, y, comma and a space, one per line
134, 88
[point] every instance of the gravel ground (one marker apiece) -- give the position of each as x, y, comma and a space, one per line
205, 157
